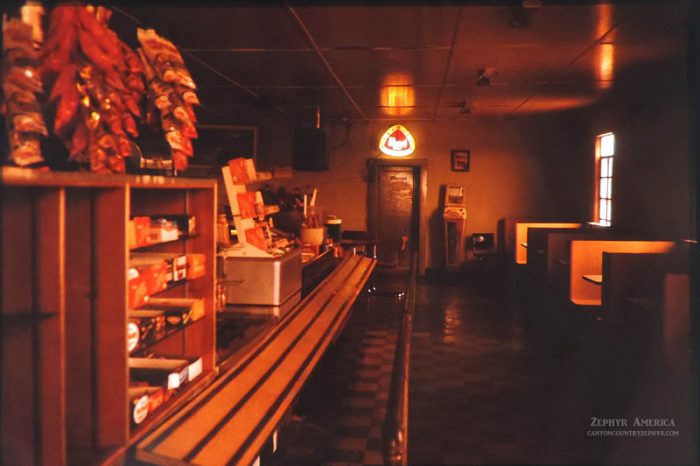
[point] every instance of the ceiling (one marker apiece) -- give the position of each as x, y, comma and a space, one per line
412, 61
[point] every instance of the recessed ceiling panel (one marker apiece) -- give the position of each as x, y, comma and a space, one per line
641, 22
560, 97
203, 76
329, 99
488, 26
370, 68
228, 97
556, 63
605, 62
396, 100
215, 27
380, 26
513, 64
271, 68
415, 113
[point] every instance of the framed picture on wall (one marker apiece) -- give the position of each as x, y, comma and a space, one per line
460, 160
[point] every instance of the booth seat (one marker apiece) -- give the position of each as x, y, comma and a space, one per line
646, 301
586, 264
521, 232
548, 255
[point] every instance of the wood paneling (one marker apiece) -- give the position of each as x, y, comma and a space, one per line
80, 412
64, 309
49, 342
32, 318
110, 212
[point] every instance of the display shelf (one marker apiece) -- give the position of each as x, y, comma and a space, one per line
167, 291
141, 348
160, 243
64, 239
184, 394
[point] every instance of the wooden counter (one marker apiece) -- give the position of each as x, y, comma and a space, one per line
231, 420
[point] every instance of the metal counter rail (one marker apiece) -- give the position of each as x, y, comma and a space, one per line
396, 420
232, 419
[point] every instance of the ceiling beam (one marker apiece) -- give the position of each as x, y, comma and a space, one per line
450, 61
323, 59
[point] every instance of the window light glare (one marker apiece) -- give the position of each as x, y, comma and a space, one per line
603, 209
605, 188
607, 145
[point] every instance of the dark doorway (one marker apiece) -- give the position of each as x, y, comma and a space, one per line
394, 211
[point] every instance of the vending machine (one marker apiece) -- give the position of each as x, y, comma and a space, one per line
454, 216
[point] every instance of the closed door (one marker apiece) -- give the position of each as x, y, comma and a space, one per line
394, 214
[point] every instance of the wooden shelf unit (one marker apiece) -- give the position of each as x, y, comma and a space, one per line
64, 260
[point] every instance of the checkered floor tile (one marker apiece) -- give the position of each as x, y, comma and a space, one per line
344, 404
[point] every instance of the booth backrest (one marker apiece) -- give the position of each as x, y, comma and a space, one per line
675, 323
506, 235
637, 277
539, 251
521, 229
586, 258
557, 255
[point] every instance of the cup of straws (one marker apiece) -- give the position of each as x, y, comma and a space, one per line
312, 229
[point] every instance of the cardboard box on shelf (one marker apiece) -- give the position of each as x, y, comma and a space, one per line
159, 372
142, 326
196, 265
182, 309
177, 263
138, 232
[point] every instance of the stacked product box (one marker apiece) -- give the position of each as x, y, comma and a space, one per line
176, 264
155, 379
144, 400
142, 326
159, 315
178, 311
196, 265
149, 230
146, 278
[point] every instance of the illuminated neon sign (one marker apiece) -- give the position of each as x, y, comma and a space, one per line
397, 142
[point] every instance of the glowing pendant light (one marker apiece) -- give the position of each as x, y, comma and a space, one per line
397, 142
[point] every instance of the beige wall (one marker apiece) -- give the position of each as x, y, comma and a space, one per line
511, 164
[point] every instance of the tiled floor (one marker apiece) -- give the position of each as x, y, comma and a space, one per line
498, 376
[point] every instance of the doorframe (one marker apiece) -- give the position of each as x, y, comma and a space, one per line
373, 164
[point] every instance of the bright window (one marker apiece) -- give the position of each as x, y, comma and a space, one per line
605, 153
